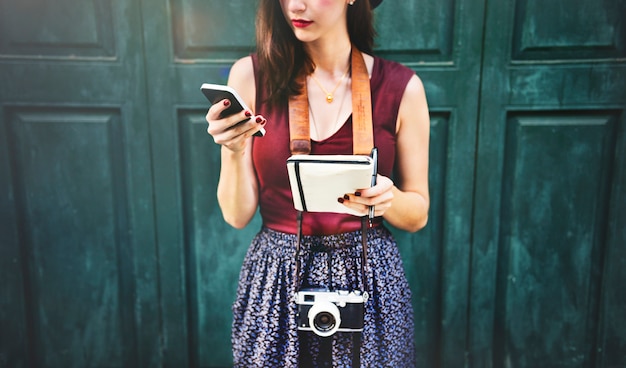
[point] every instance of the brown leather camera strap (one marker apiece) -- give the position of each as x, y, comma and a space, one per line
362, 126
362, 129
362, 143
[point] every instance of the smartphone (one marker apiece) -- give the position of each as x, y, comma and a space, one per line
217, 92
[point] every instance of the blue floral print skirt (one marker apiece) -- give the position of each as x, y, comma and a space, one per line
265, 332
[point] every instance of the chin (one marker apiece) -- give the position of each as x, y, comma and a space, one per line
304, 36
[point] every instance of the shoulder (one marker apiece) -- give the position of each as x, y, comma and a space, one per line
242, 68
413, 105
390, 83
379, 65
415, 87
369, 62
390, 76
241, 78
390, 67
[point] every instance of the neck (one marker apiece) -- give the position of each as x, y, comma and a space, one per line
332, 58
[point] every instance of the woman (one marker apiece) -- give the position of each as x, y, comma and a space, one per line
307, 44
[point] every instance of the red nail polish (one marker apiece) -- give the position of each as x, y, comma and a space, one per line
340, 200
358, 194
226, 103
248, 113
346, 197
259, 119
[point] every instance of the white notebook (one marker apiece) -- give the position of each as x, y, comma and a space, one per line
317, 181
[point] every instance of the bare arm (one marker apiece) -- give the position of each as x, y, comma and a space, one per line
404, 204
411, 200
237, 190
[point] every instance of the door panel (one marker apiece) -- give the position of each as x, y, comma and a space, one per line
550, 170
421, 33
61, 30
54, 212
76, 187
554, 210
573, 31
213, 29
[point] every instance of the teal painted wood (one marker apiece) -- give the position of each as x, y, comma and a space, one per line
547, 290
80, 283
13, 337
112, 248
199, 254
61, 160
440, 41
550, 170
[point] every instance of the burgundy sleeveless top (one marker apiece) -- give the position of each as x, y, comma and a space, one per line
270, 153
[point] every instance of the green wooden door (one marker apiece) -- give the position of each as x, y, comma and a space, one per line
549, 219
199, 255
113, 251
441, 42
77, 271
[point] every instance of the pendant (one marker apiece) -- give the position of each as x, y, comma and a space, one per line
329, 98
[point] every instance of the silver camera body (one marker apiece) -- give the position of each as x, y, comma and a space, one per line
325, 312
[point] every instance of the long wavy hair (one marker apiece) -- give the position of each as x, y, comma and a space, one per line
281, 55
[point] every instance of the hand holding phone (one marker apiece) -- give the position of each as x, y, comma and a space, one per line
217, 92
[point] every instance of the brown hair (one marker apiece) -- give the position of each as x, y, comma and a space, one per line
281, 55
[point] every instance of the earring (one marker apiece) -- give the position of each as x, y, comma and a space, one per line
351, 2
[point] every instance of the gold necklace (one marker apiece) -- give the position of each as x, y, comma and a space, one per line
329, 95
337, 121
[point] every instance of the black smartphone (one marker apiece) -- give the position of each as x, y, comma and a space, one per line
217, 92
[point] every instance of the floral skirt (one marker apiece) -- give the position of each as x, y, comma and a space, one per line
265, 332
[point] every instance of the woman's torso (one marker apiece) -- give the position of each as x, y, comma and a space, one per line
270, 153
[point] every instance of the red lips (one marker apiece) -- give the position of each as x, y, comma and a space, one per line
301, 23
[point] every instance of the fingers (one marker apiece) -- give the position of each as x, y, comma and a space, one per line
380, 196
217, 109
233, 130
219, 124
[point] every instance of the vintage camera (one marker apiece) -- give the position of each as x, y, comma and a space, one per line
325, 312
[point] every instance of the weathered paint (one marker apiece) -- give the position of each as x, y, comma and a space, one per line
113, 251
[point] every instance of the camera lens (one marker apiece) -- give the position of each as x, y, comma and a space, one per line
324, 321
324, 318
